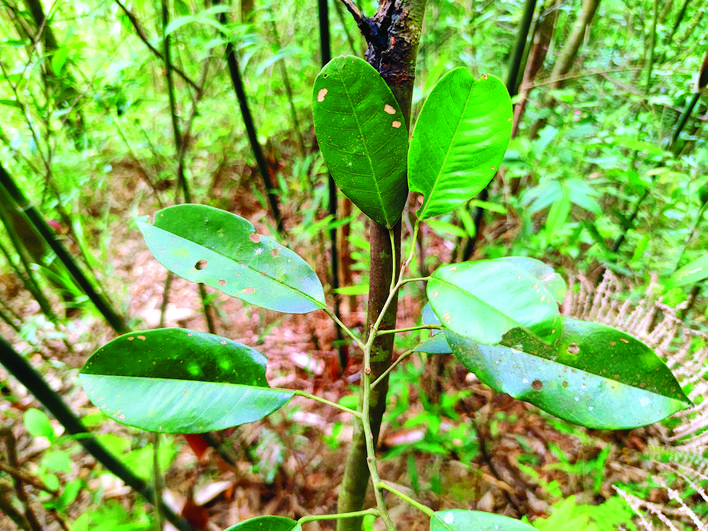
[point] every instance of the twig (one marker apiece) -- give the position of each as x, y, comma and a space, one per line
141, 35
17, 473
10, 447
368, 28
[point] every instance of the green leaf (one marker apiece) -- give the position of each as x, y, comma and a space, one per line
179, 381
459, 140
224, 251
691, 273
10, 103
38, 425
359, 289
267, 523
461, 520
483, 300
437, 344
363, 137
597, 376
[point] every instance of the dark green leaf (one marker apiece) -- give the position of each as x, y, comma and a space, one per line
459, 140
10, 103
222, 250
483, 300
597, 376
179, 381
461, 520
363, 137
267, 523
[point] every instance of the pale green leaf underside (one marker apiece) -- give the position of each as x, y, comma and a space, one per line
363, 137
180, 406
461, 520
482, 300
222, 250
459, 140
596, 376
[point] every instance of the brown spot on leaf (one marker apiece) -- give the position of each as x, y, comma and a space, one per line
248, 291
274, 252
201, 264
564, 384
222, 282
389, 109
142, 338
223, 342
537, 385
573, 348
321, 94
623, 340
131, 338
396, 124
254, 237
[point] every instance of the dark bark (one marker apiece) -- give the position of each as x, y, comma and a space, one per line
393, 34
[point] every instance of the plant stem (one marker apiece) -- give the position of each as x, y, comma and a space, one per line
395, 364
392, 51
305, 394
370, 447
355, 514
427, 510
344, 327
411, 329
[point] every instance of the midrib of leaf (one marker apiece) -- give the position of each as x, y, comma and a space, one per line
368, 155
447, 154
252, 269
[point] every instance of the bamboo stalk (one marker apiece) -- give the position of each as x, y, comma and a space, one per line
102, 305
21, 369
237, 82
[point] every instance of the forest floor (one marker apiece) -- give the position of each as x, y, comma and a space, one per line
488, 452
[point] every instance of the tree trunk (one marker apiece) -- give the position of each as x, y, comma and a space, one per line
567, 56
393, 49
536, 58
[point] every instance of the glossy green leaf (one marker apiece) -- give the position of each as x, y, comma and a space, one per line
596, 376
691, 273
224, 251
179, 381
267, 523
461, 520
363, 137
459, 140
483, 300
